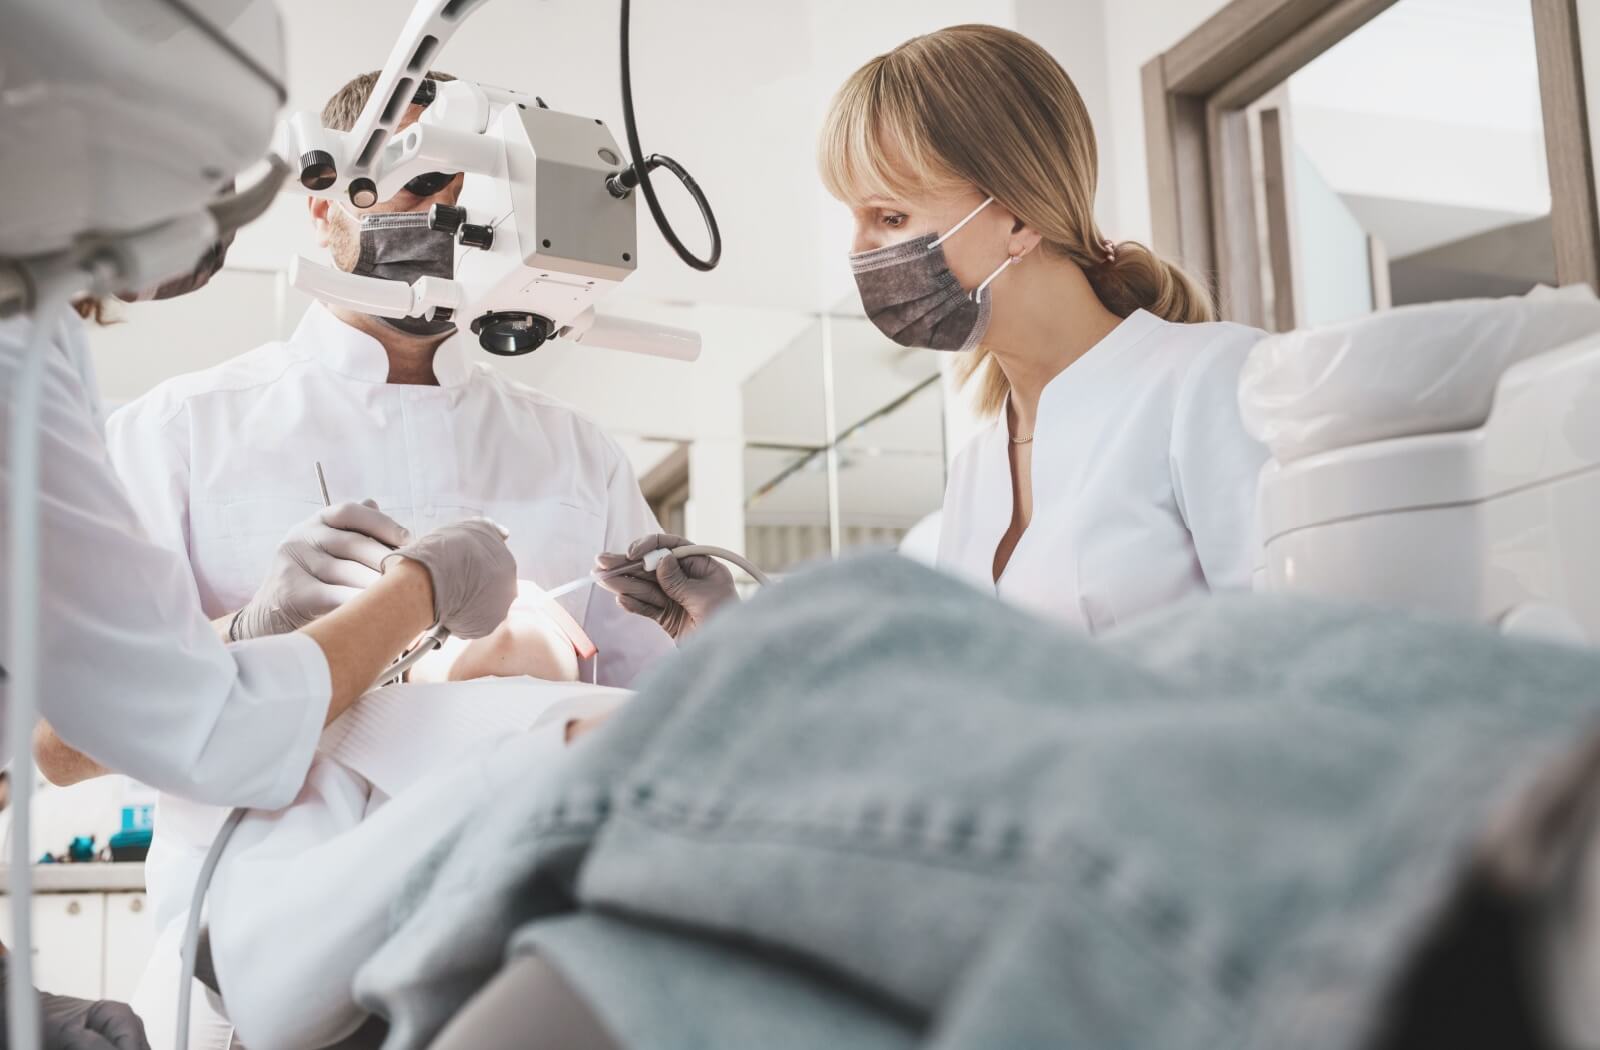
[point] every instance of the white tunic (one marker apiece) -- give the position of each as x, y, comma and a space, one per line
1144, 480
221, 465
132, 673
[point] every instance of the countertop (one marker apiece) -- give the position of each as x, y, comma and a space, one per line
83, 878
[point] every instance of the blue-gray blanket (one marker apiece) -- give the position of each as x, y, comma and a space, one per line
875, 808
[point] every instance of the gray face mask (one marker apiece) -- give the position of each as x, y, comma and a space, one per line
401, 247
911, 295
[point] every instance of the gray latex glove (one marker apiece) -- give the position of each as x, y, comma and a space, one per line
474, 575
322, 563
81, 1024
680, 596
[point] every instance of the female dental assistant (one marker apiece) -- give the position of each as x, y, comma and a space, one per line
132, 673
1116, 476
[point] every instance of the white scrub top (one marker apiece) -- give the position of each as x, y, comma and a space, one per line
221, 464
133, 674
1144, 480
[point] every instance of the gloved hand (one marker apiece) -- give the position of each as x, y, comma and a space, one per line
321, 564
680, 596
474, 575
79, 1024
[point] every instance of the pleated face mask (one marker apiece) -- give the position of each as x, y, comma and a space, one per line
401, 246
910, 293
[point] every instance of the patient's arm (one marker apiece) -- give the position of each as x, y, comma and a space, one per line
60, 762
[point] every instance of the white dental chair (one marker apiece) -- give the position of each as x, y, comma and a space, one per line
1443, 457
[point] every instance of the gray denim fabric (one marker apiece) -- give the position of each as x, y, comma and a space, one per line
1226, 826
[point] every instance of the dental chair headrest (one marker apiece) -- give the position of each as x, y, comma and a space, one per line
1420, 369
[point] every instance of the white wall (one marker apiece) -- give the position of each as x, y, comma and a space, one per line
1074, 31
1137, 31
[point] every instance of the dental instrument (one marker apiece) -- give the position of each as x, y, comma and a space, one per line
653, 559
434, 638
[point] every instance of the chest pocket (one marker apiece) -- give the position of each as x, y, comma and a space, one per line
233, 548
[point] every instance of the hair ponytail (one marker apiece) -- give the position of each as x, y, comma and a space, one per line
1136, 278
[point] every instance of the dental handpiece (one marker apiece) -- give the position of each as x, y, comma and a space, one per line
653, 559
648, 563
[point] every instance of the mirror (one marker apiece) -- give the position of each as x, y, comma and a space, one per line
844, 444
890, 454
787, 512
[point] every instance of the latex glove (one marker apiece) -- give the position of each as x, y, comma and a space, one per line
321, 564
81, 1024
474, 575
680, 596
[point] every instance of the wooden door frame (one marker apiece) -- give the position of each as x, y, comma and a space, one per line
1198, 143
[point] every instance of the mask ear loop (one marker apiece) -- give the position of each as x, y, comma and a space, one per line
977, 296
973, 214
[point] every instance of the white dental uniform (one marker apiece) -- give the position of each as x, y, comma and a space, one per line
132, 673
221, 465
1144, 480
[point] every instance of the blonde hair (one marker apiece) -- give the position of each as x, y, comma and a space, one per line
980, 106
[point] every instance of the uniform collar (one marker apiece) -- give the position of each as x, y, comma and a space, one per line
1133, 329
351, 352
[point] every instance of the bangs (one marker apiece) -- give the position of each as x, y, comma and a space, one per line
872, 146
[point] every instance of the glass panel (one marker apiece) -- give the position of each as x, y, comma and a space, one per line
891, 469
1418, 161
871, 373
783, 401
786, 520
889, 429
882, 458
785, 460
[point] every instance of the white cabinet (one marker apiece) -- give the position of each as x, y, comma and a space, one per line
92, 928
68, 942
130, 935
